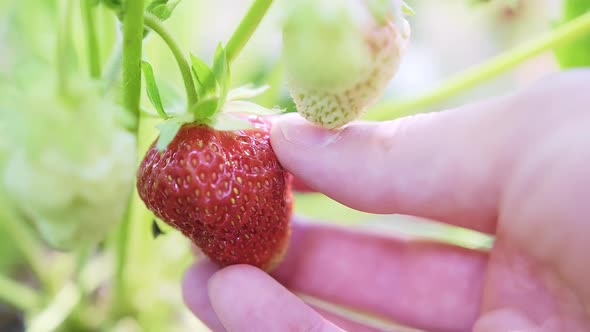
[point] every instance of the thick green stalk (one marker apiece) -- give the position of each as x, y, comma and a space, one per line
569, 32
17, 294
132, 52
246, 28
93, 50
155, 25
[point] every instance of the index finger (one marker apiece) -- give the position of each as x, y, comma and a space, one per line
444, 166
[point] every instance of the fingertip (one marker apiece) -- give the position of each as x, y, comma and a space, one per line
224, 284
436, 166
195, 277
244, 295
195, 294
291, 130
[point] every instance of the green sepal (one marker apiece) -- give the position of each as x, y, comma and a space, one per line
169, 128
228, 122
222, 75
206, 84
205, 108
156, 229
212, 84
248, 107
162, 9
152, 89
148, 113
246, 92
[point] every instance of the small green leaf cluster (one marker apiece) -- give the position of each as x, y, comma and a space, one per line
162, 9
216, 105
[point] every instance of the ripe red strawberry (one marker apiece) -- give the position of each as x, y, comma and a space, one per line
297, 185
225, 190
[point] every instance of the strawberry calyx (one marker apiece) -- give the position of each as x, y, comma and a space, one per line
217, 106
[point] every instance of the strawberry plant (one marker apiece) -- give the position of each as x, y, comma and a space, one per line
120, 148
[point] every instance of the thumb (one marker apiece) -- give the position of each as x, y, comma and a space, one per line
247, 299
438, 165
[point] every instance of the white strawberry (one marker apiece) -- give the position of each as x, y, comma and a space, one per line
340, 55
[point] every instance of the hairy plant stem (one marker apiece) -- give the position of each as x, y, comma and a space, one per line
133, 28
462, 81
156, 25
93, 48
18, 295
246, 28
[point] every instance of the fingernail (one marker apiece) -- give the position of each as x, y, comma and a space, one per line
301, 132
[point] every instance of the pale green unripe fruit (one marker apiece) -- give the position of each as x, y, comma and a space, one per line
340, 55
323, 44
71, 167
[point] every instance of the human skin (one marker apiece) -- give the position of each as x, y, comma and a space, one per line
515, 166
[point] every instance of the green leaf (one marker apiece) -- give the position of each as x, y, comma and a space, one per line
162, 9
152, 88
246, 92
168, 130
206, 83
221, 71
247, 107
223, 121
205, 108
577, 53
156, 229
221, 67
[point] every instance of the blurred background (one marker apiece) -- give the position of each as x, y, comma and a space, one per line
447, 37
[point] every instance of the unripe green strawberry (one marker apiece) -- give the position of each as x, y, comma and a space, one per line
70, 166
340, 55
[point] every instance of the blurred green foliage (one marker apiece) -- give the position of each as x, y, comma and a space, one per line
576, 54
155, 266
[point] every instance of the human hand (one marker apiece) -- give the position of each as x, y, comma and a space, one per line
516, 167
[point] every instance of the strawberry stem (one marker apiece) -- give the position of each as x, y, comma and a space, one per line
132, 50
133, 28
89, 20
246, 28
467, 79
155, 25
